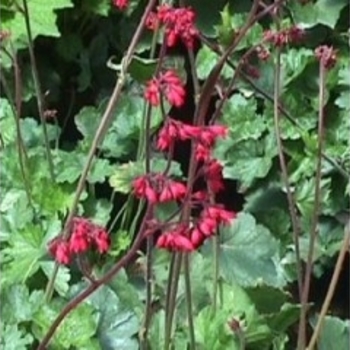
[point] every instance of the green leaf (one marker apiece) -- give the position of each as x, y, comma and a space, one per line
99, 7
305, 195
117, 325
17, 305
12, 338
211, 331
124, 133
208, 15
324, 12
14, 205
21, 257
7, 122
240, 115
124, 174
205, 62
247, 170
294, 62
99, 210
42, 16
237, 262
335, 334
62, 279
284, 318
328, 11
75, 330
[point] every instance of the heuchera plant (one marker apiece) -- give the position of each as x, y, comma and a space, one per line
185, 220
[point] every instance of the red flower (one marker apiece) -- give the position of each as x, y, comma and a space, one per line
326, 55
157, 188
213, 175
172, 88
121, 4
202, 152
197, 237
168, 84
178, 23
101, 240
143, 189
174, 130
209, 134
219, 214
172, 191
284, 36
176, 239
152, 94
59, 248
84, 232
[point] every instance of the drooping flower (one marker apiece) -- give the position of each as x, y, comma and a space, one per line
101, 240
175, 130
84, 234
179, 24
59, 249
158, 188
284, 36
168, 84
326, 55
121, 4
213, 175
176, 240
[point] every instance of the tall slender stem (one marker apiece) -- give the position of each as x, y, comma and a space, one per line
331, 288
314, 219
37, 85
101, 131
188, 292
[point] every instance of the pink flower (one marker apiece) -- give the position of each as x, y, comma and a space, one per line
121, 4
326, 55
174, 130
143, 189
157, 188
101, 240
59, 249
213, 175
176, 239
168, 84
178, 23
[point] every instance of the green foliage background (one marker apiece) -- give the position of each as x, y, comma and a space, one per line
73, 41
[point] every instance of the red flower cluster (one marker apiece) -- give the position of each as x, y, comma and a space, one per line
121, 4
84, 235
263, 53
167, 84
284, 36
178, 24
186, 238
210, 219
326, 55
204, 136
158, 188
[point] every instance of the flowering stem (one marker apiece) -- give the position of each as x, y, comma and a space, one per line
173, 280
314, 222
101, 130
189, 300
16, 109
284, 171
216, 248
37, 86
124, 261
331, 288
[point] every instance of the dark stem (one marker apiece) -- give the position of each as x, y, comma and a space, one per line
314, 219
101, 130
124, 261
